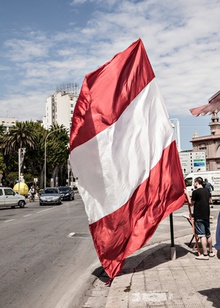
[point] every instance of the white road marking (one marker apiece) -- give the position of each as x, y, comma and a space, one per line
45, 210
9, 220
71, 234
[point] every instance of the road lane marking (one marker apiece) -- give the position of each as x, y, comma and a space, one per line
79, 235
45, 210
27, 215
71, 234
9, 220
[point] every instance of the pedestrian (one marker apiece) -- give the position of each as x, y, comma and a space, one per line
217, 245
201, 198
208, 186
32, 193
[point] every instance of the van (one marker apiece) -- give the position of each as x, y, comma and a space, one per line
213, 178
9, 198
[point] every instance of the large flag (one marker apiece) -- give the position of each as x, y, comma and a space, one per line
123, 152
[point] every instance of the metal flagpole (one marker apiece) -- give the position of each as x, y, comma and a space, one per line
172, 247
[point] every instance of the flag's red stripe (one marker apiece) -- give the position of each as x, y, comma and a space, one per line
107, 92
121, 233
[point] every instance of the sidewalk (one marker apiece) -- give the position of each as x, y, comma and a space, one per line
152, 279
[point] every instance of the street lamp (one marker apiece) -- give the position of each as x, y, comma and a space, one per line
45, 155
21, 153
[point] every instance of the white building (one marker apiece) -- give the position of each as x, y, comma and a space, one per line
59, 110
60, 106
176, 127
7, 123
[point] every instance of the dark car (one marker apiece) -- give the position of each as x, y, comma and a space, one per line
50, 195
66, 193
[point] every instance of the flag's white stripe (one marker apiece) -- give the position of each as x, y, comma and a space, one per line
115, 162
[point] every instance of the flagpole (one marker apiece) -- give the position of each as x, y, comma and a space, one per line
172, 247
191, 218
193, 227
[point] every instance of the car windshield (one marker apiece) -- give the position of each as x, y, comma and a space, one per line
50, 191
189, 182
64, 188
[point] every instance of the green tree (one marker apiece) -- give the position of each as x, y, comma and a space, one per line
34, 157
2, 161
32, 136
57, 153
20, 136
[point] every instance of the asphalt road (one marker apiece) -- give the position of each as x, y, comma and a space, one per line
46, 255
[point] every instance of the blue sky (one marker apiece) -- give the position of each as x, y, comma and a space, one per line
45, 43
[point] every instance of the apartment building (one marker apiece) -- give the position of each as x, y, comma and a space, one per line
60, 106
8, 122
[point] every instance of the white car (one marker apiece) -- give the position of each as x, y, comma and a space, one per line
9, 198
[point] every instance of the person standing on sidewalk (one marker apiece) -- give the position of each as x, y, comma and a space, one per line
208, 186
201, 198
217, 245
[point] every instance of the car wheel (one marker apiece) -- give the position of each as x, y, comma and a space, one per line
40, 203
21, 203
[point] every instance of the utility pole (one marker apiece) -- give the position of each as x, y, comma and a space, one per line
21, 153
45, 155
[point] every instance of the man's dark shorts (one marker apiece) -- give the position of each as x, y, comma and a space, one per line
202, 228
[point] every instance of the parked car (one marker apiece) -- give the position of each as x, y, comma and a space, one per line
9, 198
50, 195
66, 193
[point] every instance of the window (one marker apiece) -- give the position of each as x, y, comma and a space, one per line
188, 181
202, 146
218, 152
9, 192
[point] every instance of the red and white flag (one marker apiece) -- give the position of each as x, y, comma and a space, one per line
123, 152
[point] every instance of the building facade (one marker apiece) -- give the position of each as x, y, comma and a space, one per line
59, 111
209, 144
7, 123
60, 106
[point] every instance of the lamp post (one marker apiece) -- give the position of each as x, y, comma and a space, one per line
21, 153
45, 155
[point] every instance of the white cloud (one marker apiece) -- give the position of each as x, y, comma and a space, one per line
181, 39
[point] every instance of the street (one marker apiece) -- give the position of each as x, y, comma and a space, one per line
43, 263
48, 259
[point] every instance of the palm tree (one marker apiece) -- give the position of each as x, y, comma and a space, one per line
20, 136
34, 157
32, 136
